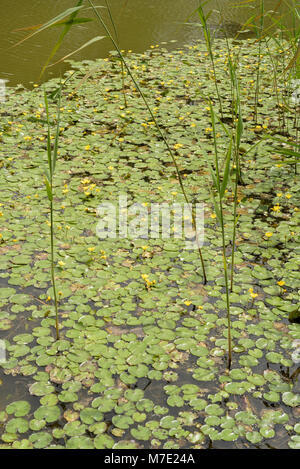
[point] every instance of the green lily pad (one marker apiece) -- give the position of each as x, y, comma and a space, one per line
214, 409
291, 399
41, 389
18, 408
103, 442
75, 428
48, 413
40, 439
267, 432
17, 425
295, 442
80, 442
254, 437
141, 433
122, 421
67, 396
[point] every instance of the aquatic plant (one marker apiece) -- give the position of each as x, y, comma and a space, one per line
239, 128
291, 155
49, 182
117, 42
209, 44
259, 31
220, 188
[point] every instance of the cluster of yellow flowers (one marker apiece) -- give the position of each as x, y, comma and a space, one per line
148, 282
88, 188
92, 249
252, 294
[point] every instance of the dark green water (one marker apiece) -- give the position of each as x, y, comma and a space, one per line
140, 23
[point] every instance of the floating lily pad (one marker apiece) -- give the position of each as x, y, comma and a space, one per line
41, 389
142, 356
48, 413
18, 408
80, 442
291, 399
17, 425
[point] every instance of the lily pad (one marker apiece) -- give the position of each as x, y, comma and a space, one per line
18, 408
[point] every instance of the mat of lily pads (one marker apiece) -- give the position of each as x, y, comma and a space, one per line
142, 357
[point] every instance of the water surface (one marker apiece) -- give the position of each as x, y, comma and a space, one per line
140, 23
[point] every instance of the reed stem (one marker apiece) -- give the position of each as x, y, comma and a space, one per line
49, 175
52, 268
220, 187
118, 42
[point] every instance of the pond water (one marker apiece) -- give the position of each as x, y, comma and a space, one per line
140, 23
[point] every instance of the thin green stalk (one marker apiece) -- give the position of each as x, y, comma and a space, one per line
237, 120
236, 112
220, 187
232, 88
239, 131
227, 298
49, 175
208, 40
162, 135
118, 42
235, 219
52, 268
275, 73
237, 141
258, 72
284, 74
65, 31
281, 107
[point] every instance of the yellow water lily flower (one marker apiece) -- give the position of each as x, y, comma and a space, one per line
252, 294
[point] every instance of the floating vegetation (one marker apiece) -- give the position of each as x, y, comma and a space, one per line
142, 355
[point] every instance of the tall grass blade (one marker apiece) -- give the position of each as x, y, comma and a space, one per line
67, 26
55, 149
48, 178
206, 31
226, 171
53, 22
59, 20
118, 42
219, 212
88, 43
